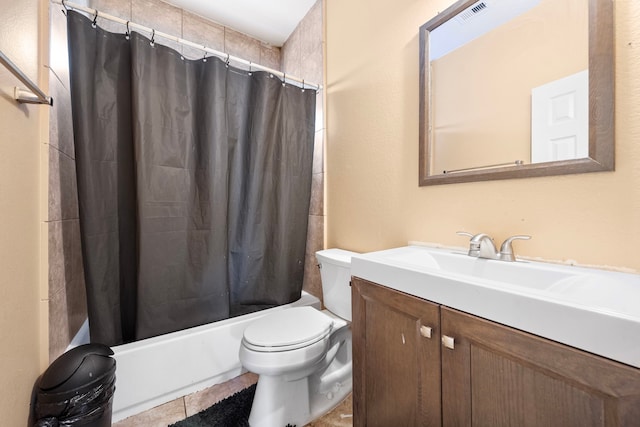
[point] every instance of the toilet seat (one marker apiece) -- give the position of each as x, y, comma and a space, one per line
287, 330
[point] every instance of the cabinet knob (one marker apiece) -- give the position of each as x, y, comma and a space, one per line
425, 331
448, 342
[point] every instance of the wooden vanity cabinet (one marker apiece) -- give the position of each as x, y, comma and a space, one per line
493, 376
396, 366
499, 376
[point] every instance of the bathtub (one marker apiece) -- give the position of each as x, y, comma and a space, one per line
157, 370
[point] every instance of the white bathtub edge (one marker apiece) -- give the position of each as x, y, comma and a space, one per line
193, 361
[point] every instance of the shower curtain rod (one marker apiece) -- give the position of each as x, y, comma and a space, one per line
223, 55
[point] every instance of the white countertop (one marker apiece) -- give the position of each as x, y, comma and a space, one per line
594, 310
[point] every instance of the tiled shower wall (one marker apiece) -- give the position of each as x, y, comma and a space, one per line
302, 56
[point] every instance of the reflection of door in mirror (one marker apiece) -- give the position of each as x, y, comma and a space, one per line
560, 119
481, 109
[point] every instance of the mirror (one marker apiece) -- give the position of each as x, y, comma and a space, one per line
516, 92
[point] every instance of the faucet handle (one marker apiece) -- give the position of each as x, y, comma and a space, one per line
506, 250
464, 233
475, 244
473, 247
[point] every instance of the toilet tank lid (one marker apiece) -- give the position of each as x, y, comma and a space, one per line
336, 256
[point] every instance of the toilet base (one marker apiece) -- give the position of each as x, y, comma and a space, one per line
278, 402
281, 400
292, 405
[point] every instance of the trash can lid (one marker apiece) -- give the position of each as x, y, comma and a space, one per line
77, 367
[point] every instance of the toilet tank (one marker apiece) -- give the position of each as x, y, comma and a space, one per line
335, 272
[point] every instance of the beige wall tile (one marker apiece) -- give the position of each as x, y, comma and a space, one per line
241, 45
60, 258
318, 151
315, 242
292, 55
159, 16
302, 56
311, 30
67, 295
75, 287
270, 56
311, 65
314, 234
319, 112
63, 199
58, 335
312, 282
202, 31
316, 205
60, 123
119, 8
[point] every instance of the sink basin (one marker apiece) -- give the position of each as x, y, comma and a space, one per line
522, 274
591, 309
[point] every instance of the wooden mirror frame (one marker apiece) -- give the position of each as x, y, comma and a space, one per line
601, 106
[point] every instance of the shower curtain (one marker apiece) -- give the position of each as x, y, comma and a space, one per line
194, 180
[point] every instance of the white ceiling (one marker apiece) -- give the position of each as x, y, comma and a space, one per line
271, 21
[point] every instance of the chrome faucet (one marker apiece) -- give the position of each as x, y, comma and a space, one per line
481, 246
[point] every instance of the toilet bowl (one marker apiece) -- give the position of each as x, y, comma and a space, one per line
303, 355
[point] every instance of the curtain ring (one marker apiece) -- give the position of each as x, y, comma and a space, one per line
227, 61
284, 79
204, 58
153, 37
95, 19
128, 33
250, 72
303, 85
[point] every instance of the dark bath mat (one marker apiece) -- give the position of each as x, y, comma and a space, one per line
230, 412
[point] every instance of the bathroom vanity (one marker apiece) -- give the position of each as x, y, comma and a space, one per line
440, 338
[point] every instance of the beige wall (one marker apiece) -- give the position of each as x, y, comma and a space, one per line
373, 200
22, 141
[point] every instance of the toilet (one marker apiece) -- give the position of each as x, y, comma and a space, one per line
303, 355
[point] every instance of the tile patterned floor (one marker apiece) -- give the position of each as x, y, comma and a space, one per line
341, 416
181, 408
186, 406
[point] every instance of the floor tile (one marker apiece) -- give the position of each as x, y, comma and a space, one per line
160, 416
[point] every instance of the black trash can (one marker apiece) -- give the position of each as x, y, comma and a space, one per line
77, 389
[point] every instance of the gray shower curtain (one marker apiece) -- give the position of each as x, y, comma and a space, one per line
194, 180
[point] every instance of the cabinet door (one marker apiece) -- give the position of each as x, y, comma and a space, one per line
497, 376
396, 365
